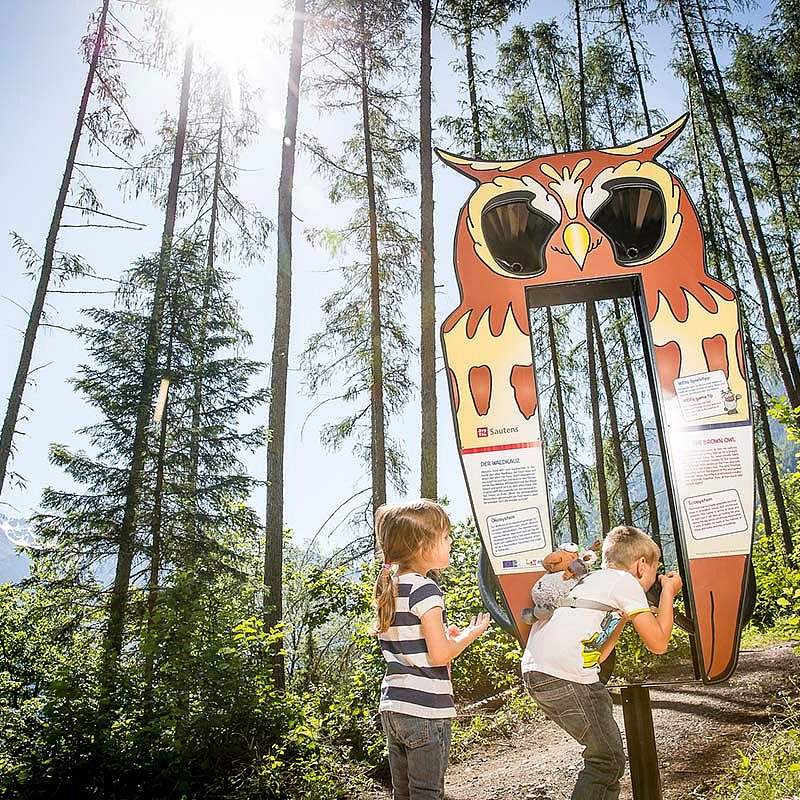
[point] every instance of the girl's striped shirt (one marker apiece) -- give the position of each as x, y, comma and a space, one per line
411, 685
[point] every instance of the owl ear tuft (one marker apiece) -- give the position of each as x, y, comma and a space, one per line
475, 168
651, 145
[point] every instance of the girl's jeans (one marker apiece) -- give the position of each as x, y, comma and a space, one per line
418, 753
584, 711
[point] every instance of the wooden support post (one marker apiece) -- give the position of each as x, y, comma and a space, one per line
641, 740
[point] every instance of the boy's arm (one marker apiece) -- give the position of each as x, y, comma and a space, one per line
611, 642
444, 646
655, 629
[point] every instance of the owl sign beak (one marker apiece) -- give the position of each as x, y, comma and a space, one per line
576, 240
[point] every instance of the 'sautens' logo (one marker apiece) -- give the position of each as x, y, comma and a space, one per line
484, 432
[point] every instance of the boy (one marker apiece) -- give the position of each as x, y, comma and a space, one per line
561, 661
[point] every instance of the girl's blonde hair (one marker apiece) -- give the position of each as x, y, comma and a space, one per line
402, 530
624, 545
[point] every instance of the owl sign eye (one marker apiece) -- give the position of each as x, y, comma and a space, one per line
633, 218
516, 234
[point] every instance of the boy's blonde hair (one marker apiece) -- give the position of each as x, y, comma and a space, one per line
403, 531
625, 545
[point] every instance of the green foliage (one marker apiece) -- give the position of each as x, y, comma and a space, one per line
776, 581
770, 768
778, 574
212, 726
352, 711
491, 663
325, 603
362, 352
634, 662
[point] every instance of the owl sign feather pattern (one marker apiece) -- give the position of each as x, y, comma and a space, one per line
581, 219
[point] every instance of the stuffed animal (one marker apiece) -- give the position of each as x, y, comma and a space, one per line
565, 568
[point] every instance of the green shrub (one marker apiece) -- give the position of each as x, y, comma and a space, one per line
770, 768
491, 663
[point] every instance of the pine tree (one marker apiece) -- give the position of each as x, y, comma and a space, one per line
273, 528
106, 122
465, 20
364, 342
186, 511
427, 348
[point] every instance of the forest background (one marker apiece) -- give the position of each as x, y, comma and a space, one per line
169, 635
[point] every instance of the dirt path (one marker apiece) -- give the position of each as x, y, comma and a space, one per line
699, 730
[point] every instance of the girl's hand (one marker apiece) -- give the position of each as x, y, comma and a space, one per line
477, 626
444, 644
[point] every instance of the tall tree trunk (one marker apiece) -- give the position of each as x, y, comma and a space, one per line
609, 117
755, 217
769, 452
763, 501
775, 342
626, 27
542, 105
428, 441
616, 438
581, 77
755, 380
787, 227
378, 432
562, 104
763, 416
199, 356
273, 529
761, 407
641, 438
156, 523
562, 427
119, 593
597, 431
35, 316
708, 233
473, 96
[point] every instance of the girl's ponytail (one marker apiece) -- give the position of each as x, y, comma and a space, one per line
384, 600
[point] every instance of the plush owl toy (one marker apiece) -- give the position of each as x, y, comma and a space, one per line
565, 568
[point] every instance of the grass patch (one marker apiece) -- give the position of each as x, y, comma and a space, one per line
770, 768
756, 639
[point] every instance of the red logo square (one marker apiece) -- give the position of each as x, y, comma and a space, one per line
483, 432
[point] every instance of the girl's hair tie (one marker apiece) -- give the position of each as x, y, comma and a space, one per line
387, 567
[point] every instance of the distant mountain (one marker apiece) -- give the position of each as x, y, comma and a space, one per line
13, 564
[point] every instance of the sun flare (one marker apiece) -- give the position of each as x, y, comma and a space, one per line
231, 34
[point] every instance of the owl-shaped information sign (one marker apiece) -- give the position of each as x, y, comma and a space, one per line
590, 225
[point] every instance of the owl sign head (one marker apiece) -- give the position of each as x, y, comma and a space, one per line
588, 225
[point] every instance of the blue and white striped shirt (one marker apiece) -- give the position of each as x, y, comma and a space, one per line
411, 685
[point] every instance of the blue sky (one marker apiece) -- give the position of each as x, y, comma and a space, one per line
41, 77
43, 91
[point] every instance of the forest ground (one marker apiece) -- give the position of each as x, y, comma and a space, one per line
699, 732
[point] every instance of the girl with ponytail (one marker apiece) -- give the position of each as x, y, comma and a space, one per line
416, 703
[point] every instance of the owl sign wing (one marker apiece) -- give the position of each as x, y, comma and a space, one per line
568, 224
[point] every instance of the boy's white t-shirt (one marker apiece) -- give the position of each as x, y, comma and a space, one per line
566, 646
